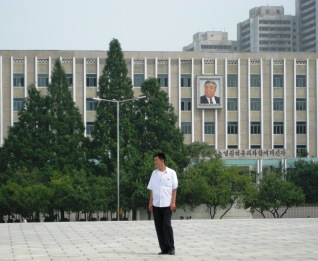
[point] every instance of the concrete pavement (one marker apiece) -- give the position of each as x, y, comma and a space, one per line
228, 239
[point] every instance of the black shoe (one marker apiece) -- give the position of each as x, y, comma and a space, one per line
171, 252
163, 253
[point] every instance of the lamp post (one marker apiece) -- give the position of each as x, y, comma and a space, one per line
118, 171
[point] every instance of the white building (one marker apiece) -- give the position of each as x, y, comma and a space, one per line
307, 13
211, 41
268, 29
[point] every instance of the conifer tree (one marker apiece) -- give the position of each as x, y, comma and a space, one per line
157, 125
114, 84
66, 123
50, 130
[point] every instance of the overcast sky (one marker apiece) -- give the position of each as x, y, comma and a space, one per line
139, 25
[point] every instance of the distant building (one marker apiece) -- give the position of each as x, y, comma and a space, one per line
268, 29
307, 12
211, 41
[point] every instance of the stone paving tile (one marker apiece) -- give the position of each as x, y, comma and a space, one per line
241, 239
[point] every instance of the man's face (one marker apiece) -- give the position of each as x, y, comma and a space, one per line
209, 90
158, 162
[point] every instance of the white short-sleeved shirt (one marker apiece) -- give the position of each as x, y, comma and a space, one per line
161, 184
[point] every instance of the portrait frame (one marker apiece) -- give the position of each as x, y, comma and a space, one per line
202, 102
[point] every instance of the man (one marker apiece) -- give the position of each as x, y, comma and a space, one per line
163, 192
209, 93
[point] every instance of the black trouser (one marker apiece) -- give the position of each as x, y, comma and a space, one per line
162, 218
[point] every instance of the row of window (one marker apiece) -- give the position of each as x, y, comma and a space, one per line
42, 80
274, 28
186, 104
255, 104
232, 80
91, 80
274, 22
275, 35
300, 148
255, 127
274, 42
255, 80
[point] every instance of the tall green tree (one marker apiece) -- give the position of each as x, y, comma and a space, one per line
66, 123
114, 84
157, 127
305, 175
28, 142
213, 184
275, 195
156, 131
48, 138
198, 152
50, 130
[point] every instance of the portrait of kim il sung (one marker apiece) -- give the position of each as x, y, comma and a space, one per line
209, 92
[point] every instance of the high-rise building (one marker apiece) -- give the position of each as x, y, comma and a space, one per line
307, 13
268, 29
211, 41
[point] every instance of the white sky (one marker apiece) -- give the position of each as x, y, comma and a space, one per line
139, 25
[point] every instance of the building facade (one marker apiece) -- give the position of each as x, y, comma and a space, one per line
307, 13
266, 100
211, 41
268, 29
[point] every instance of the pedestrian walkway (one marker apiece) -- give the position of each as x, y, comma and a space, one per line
228, 239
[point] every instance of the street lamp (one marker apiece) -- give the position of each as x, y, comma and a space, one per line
118, 172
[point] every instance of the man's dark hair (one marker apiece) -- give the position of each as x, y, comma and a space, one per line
161, 156
214, 83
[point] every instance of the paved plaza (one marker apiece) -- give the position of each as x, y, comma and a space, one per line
227, 239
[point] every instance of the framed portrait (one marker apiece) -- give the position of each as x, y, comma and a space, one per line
209, 92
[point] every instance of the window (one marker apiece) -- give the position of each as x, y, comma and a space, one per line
278, 80
278, 146
302, 150
185, 80
91, 80
232, 146
232, 104
232, 80
18, 104
91, 104
301, 127
69, 78
163, 79
186, 127
300, 80
232, 127
255, 127
89, 127
185, 104
301, 104
209, 127
255, 80
278, 104
139, 79
255, 146
18, 80
255, 104
278, 127
43, 80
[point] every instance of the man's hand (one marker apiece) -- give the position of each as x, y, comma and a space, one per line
150, 207
172, 206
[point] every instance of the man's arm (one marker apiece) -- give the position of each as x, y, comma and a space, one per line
173, 200
150, 206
